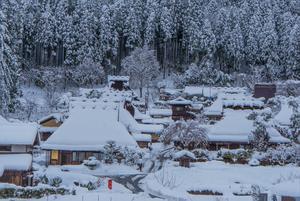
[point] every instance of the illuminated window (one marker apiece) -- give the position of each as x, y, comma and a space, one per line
54, 155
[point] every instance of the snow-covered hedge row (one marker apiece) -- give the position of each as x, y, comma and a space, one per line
32, 192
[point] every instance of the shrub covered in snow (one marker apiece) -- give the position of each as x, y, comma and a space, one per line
91, 163
32, 192
234, 156
56, 181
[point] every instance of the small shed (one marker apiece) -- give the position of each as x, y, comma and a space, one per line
16, 169
49, 124
184, 157
118, 82
265, 90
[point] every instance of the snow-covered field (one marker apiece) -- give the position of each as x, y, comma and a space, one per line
173, 181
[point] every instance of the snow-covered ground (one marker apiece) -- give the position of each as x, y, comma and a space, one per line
173, 181
95, 196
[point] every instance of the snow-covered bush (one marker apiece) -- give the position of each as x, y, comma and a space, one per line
56, 181
254, 162
32, 193
283, 154
201, 154
234, 156
92, 163
131, 156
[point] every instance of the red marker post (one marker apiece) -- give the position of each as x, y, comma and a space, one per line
109, 184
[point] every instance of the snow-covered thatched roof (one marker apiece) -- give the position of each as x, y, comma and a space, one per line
236, 127
160, 112
18, 133
89, 128
118, 78
180, 101
215, 109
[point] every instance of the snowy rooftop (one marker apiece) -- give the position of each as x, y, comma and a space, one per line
235, 127
201, 90
133, 126
215, 109
90, 129
163, 121
117, 78
18, 133
20, 162
142, 137
57, 116
180, 101
160, 112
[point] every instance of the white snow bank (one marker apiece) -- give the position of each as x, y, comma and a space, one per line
18, 133
3, 120
224, 178
182, 153
19, 162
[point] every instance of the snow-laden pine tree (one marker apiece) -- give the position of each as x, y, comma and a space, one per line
295, 126
259, 137
294, 71
142, 67
8, 69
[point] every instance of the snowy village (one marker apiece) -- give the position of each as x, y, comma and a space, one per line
149, 100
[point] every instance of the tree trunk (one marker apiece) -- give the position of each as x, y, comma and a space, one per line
141, 92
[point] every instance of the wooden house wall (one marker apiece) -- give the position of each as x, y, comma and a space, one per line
18, 178
58, 157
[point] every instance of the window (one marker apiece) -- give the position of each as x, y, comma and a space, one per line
179, 109
81, 156
5, 148
74, 156
54, 155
